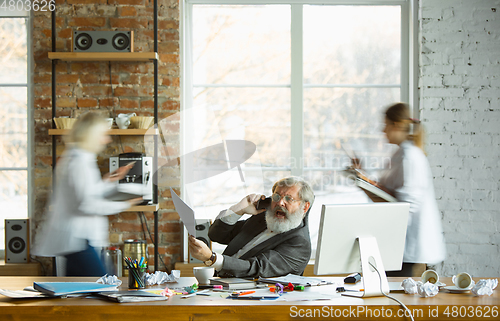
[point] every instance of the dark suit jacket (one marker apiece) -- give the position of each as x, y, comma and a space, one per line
284, 253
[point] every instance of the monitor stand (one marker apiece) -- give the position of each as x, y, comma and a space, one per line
370, 256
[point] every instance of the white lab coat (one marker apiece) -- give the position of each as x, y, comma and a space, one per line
78, 207
409, 176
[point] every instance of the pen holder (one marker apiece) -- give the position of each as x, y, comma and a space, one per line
136, 278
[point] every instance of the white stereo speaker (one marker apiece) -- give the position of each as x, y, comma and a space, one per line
17, 243
103, 41
201, 228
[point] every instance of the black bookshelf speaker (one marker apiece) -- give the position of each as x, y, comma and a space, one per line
17, 241
103, 41
201, 228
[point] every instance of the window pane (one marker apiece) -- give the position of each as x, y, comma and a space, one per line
13, 61
13, 198
259, 115
13, 127
352, 44
349, 117
241, 44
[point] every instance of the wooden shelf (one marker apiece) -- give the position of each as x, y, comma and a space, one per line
144, 208
103, 56
117, 132
20, 269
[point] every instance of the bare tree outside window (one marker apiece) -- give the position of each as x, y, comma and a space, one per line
241, 69
13, 120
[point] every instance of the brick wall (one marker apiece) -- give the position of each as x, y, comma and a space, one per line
109, 88
459, 102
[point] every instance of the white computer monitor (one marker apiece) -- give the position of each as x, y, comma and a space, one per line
351, 237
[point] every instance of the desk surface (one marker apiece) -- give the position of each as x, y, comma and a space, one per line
444, 306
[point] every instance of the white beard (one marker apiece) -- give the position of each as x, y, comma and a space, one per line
291, 221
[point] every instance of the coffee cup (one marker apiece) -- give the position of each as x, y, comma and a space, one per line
430, 276
203, 274
110, 122
462, 280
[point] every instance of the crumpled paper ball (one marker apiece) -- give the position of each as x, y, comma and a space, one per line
110, 279
427, 290
410, 286
160, 277
485, 287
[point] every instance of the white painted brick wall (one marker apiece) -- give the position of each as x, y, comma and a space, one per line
460, 107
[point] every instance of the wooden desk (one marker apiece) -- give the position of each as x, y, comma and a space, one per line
441, 307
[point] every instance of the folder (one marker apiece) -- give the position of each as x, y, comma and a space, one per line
65, 288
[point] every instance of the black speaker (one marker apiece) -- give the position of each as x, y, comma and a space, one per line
103, 41
201, 227
17, 243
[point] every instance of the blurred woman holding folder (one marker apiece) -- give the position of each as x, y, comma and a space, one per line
410, 179
76, 220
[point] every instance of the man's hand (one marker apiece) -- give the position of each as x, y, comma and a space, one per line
247, 205
198, 249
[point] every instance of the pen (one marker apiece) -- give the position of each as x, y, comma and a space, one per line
243, 293
210, 287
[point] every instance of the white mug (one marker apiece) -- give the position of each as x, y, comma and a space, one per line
203, 274
110, 122
430, 276
462, 280
123, 120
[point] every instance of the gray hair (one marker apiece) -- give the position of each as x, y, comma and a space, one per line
306, 193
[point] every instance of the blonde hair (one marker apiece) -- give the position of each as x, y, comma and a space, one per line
400, 113
84, 131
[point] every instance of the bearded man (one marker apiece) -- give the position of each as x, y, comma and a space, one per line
272, 242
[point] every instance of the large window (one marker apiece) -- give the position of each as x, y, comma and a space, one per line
14, 53
302, 81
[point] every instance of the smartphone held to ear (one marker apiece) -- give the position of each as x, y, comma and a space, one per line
263, 203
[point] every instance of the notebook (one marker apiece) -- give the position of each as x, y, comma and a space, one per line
233, 283
65, 288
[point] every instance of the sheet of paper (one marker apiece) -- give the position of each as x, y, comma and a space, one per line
295, 279
186, 213
20, 294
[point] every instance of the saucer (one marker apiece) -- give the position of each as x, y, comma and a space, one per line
454, 289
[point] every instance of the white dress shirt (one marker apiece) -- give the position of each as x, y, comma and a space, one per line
78, 208
229, 217
411, 179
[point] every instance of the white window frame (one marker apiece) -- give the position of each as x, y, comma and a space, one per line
409, 66
28, 15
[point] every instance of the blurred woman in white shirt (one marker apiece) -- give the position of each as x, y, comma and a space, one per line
410, 179
76, 223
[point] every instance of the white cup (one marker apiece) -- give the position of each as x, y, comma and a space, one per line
430, 276
203, 274
462, 280
110, 122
